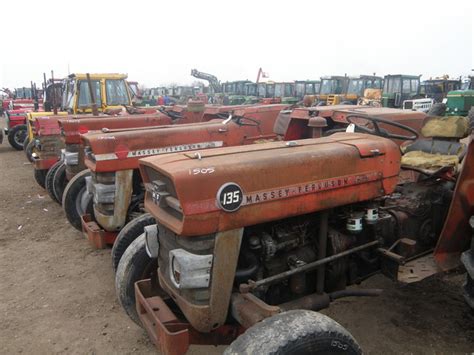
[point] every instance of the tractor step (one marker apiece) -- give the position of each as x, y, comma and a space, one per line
170, 334
97, 237
418, 269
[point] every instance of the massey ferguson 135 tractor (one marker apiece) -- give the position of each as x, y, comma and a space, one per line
252, 240
113, 182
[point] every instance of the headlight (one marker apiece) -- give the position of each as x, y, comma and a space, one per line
189, 270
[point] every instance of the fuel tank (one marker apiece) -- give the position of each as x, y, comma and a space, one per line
208, 191
121, 149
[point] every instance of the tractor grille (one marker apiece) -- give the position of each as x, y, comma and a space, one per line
163, 194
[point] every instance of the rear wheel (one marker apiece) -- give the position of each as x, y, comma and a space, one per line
49, 181
128, 234
17, 136
59, 182
135, 265
76, 200
40, 177
295, 332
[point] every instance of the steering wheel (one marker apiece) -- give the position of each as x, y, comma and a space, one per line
378, 131
250, 121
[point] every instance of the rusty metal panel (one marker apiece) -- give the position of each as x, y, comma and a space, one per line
121, 149
277, 180
456, 233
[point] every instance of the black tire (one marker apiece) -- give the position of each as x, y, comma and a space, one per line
76, 202
467, 259
438, 109
346, 103
295, 332
40, 177
28, 149
49, 181
26, 142
135, 265
59, 182
131, 231
17, 136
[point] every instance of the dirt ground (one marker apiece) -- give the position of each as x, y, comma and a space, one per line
57, 294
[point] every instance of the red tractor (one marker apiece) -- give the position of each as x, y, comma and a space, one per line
117, 190
24, 100
111, 191
245, 251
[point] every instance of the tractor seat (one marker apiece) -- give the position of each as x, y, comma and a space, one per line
443, 149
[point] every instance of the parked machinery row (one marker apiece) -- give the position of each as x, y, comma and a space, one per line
230, 223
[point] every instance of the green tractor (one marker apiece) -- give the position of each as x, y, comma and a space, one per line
398, 88
459, 102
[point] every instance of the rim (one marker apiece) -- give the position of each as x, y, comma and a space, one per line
20, 136
82, 201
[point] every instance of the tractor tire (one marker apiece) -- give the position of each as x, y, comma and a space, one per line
59, 182
76, 201
49, 181
295, 332
17, 136
134, 265
26, 142
28, 148
438, 109
467, 259
131, 231
40, 177
470, 116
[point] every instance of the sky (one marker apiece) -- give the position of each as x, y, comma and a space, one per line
158, 43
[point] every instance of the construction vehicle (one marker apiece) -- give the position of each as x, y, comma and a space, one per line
214, 83
398, 88
112, 179
356, 89
330, 91
247, 254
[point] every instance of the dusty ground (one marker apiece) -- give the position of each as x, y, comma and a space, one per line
57, 295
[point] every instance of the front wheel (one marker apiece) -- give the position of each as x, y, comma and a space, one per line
49, 181
135, 265
28, 147
17, 136
295, 332
76, 200
128, 234
40, 177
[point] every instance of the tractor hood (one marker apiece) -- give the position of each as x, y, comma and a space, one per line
120, 149
73, 128
207, 191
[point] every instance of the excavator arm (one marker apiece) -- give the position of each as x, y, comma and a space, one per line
213, 81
